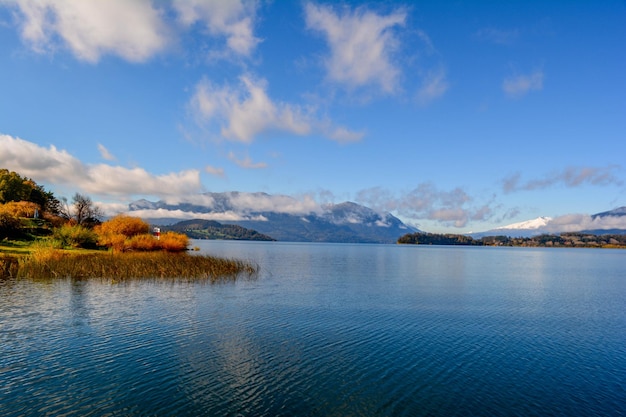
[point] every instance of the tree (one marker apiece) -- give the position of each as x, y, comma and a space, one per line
83, 211
14, 187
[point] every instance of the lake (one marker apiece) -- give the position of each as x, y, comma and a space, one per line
328, 330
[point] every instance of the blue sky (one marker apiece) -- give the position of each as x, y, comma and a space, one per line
454, 116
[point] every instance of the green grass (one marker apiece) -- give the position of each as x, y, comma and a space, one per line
15, 247
52, 263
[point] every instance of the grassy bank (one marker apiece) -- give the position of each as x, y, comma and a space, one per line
122, 266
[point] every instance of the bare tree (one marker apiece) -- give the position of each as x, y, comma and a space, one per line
82, 211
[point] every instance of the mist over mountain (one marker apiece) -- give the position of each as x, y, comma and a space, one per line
607, 222
618, 212
281, 217
286, 218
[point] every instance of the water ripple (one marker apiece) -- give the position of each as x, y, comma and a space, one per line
394, 332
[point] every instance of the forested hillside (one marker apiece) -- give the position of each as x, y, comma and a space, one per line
209, 229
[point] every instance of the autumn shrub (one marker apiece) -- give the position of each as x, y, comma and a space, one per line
174, 242
116, 232
116, 242
75, 236
144, 242
125, 225
126, 233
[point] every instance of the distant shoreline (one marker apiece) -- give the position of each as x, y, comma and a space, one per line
563, 240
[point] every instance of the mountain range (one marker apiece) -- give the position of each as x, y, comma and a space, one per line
282, 218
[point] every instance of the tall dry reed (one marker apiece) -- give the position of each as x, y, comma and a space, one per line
9, 265
123, 266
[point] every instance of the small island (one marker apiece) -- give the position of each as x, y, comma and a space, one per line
42, 237
563, 240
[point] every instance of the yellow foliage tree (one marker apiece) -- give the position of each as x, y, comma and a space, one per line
20, 208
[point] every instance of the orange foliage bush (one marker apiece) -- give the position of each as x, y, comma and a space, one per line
124, 225
115, 241
174, 242
144, 242
125, 233
114, 233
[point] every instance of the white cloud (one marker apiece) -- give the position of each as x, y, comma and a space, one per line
342, 135
245, 111
427, 202
233, 19
218, 172
112, 209
259, 202
104, 152
234, 206
434, 85
362, 44
579, 222
133, 30
520, 85
191, 215
569, 177
426, 41
53, 166
246, 162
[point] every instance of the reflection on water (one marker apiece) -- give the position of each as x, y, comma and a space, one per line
328, 330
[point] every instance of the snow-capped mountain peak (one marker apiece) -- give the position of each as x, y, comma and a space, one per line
537, 223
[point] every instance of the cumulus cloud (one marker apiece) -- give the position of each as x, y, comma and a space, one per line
362, 44
569, 177
245, 111
53, 166
519, 85
133, 30
232, 19
427, 202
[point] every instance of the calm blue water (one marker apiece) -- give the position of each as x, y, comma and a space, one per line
328, 330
